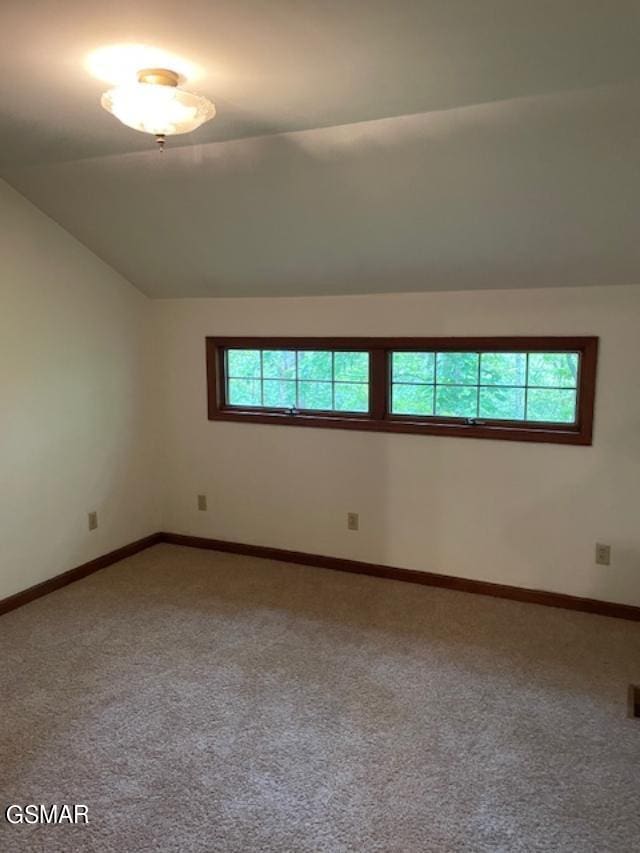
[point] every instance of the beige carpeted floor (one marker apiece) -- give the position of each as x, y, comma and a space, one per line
206, 702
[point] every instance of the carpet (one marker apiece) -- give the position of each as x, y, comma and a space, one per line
199, 701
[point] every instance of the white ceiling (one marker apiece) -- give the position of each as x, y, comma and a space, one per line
360, 145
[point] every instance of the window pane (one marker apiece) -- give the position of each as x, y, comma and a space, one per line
412, 400
352, 397
280, 394
503, 368
279, 364
458, 368
244, 363
351, 366
502, 403
314, 364
456, 402
244, 392
553, 369
413, 367
315, 395
496, 393
551, 405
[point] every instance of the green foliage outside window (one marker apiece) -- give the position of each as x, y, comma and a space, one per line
510, 386
516, 386
316, 380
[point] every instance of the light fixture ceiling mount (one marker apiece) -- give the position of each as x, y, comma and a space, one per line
159, 76
155, 104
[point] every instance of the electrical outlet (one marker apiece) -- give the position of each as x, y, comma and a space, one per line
93, 520
202, 503
603, 554
353, 521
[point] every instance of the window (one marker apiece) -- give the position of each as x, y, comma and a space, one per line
527, 389
488, 386
301, 380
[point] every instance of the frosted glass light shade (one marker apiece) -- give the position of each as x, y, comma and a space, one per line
158, 109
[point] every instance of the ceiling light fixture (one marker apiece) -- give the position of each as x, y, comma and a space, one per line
154, 104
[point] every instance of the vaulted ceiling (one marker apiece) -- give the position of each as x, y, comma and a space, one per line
360, 145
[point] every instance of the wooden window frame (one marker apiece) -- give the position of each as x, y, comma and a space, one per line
379, 419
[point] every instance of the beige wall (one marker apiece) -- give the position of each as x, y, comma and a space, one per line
75, 421
516, 513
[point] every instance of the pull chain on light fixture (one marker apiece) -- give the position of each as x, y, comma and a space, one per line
155, 104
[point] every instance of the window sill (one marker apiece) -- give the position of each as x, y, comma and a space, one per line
543, 433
